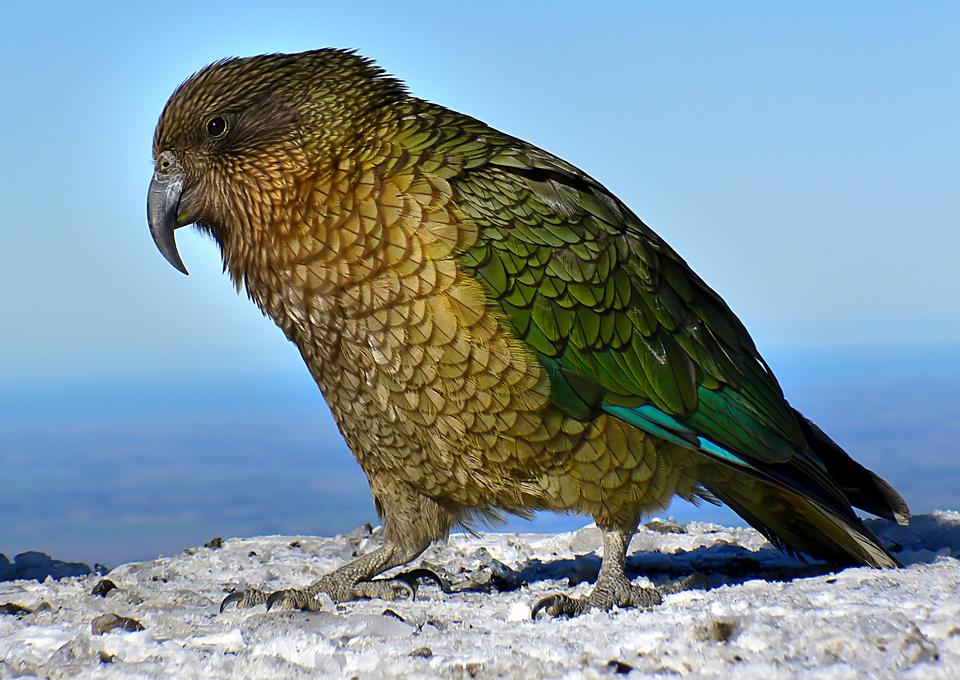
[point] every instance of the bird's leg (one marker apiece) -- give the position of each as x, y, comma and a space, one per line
612, 589
412, 523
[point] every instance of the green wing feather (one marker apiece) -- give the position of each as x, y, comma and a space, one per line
619, 318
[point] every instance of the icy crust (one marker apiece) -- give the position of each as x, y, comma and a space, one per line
763, 615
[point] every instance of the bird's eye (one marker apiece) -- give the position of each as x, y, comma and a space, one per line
216, 126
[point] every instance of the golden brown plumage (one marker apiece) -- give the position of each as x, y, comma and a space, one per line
372, 228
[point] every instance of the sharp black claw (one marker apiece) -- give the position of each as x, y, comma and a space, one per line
542, 604
235, 596
414, 575
410, 583
274, 598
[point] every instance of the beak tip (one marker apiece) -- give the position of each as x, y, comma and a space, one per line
177, 263
162, 202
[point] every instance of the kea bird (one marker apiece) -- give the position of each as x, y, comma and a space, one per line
493, 330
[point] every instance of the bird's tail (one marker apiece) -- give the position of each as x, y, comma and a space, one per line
797, 523
803, 503
863, 488
800, 509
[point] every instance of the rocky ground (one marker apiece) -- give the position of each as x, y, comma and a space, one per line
760, 614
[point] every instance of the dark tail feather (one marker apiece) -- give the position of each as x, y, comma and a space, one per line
802, 507
797, 523
864, 489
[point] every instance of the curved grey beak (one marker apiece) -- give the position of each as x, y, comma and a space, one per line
163, 202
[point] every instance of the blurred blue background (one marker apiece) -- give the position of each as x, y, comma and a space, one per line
803, 160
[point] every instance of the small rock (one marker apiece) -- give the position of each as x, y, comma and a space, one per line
107, 622
619, 667
721, 630
103, 587
717, 630
106, 658
664, 527
490, 574
14, 609
214, 543
422, 652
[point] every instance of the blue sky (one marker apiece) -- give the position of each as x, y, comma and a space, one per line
803, 159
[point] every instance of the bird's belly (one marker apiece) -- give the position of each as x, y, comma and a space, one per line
463, 414
468, 436
494, 445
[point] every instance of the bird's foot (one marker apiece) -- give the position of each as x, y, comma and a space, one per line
340, 587
606, 595
610, 592
307, 599
244, 599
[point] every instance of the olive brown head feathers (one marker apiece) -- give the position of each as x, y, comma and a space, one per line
249, 125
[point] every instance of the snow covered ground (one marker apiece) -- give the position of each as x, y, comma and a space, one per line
763, 615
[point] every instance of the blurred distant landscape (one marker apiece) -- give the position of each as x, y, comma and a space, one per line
128, 469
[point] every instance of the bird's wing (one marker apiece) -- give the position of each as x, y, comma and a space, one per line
621, 322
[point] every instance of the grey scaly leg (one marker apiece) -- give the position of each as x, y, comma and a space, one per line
612, 589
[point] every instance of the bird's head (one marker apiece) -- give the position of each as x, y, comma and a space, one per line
236, 138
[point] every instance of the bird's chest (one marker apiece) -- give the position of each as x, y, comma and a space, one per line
424, 378
441, 397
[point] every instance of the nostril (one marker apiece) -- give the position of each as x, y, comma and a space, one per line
166, 163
